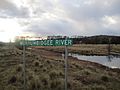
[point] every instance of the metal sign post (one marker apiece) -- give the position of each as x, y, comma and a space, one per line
66, 65
55, 42
24, 64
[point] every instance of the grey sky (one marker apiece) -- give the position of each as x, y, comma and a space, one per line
62, 17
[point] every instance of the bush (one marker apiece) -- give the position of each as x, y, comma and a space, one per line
55, 84
61, 73
12, 80
30, 77
34, 85
41, 65
104, 78
36, 63
86, 72
19, 68
53, 74
48, 61
44, 81
44, 69
36, 70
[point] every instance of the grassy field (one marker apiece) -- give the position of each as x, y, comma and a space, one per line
45, 71
87, 49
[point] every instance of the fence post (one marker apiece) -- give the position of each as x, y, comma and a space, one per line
24, 65
66, 65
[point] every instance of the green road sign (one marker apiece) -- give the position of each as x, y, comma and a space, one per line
61, 42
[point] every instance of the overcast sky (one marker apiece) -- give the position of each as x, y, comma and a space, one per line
58, 17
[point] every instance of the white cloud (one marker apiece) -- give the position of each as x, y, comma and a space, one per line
108, 21
9, 9
65, 17
112, 23
9, 28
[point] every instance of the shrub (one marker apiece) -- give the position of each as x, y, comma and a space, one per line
44, 81
19, 68
30, 77
54, 84
34, 84
44, 69
41, 65
12, 80
104, 78
61, 73
36, 63
53, 74
51, 66
87, 72
48, 61
35, 70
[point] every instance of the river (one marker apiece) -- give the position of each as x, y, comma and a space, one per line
110, 61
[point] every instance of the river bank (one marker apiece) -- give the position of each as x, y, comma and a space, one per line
87, 49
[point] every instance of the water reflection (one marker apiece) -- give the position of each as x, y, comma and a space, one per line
110, 57
110, 61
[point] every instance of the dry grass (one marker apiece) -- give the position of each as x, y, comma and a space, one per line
45, 71
86, 49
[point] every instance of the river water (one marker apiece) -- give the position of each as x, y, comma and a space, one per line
110, 61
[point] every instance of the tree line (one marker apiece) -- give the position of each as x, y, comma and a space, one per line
101, 39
